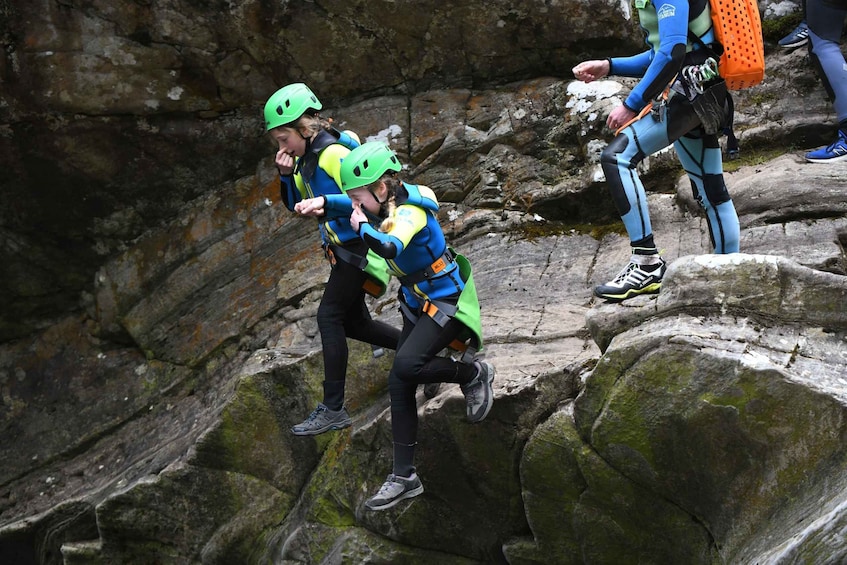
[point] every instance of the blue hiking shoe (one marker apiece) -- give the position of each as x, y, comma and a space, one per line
797, 38
836, 151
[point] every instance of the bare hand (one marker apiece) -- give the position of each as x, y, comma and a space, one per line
588, 71
311, 207
357, 218
619, 117
284, 162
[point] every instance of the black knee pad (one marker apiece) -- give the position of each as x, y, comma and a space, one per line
715, 189
609, 162
696, 193
617, 145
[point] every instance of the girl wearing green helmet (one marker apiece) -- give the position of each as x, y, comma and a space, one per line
309, 160
438, 302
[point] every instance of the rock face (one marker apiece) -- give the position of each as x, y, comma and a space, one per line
159, 340
726, 401
114, 114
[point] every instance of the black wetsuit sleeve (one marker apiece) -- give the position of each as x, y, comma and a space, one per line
380, 243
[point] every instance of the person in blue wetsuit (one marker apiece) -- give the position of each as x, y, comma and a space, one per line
438, 302
309, 163
826, 22
690, 106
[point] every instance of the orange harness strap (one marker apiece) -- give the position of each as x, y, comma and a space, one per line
646, 109
431, 310
371, 287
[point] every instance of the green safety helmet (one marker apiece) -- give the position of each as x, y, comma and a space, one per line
366, 164
289, 103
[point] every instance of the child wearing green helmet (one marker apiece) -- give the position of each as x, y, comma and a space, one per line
309, 161
438, 302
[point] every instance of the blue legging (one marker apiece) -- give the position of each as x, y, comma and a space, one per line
826, 21
700, 155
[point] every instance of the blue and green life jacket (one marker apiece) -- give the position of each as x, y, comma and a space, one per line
317, 173
434, 279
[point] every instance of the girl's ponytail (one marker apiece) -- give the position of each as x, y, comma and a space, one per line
392, 183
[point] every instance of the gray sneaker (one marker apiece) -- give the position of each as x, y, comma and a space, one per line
479, 394
431, 389
321, 420
393, 490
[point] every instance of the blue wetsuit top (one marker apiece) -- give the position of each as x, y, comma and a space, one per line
665, 24
413, 243
318, 173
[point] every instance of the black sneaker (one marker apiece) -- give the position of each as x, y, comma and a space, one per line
797, 38
393, 490
321, 420
479, 395
632, 281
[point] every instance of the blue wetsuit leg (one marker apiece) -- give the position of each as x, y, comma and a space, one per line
620, 160
700, 156
826, 21
701, 159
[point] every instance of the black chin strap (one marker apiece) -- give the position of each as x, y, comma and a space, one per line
308, 163
374, 218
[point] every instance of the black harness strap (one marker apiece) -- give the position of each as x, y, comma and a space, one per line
338, 253
436, 267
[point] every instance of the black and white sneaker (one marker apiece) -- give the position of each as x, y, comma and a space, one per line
633, 280
393, 490
321, 420
479, 394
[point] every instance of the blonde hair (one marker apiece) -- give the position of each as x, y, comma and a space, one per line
392, 183
312, 124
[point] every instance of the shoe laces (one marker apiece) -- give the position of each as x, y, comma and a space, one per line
624, 273
840, 140
470, 389
471, 394
316, 412
635, 274
386, 486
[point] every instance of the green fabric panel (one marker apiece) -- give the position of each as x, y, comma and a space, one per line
702, 23
377, 271
468, 305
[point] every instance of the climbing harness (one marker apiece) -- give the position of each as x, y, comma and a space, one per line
657, 107
373, 265
438, 266
442, 312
